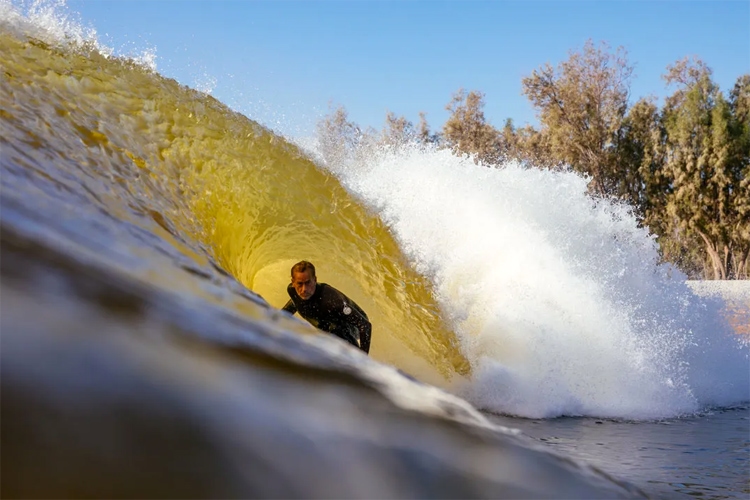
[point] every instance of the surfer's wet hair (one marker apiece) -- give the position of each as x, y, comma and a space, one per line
302, 266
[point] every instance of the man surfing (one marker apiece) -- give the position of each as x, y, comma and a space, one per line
326, 308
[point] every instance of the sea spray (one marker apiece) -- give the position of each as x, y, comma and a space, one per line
119, 327
52, 22
175, 172
558, 299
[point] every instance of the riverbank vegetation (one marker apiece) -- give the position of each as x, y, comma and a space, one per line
683, 166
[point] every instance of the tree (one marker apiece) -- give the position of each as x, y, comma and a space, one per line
640, 175
709, 193
398, 130
739, 104
467, 131
528, 145
423, 134
337, 136
581, 106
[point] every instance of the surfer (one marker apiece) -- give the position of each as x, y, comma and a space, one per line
326, 308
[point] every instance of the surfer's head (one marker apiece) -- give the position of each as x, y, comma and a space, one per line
303, 279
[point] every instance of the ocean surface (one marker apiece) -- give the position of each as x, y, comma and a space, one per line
527, 342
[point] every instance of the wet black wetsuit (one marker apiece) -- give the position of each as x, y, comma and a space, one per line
333, 312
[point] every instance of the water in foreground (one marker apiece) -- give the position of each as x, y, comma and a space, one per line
705, 456
145, 227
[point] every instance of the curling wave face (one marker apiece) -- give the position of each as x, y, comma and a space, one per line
163, 169
508, 285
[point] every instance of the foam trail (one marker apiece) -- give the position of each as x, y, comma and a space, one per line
558, 299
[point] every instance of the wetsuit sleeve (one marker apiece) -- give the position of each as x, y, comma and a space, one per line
365, 330
290, 307
359, 319
340, 309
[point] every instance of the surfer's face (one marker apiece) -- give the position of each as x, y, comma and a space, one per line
304, 284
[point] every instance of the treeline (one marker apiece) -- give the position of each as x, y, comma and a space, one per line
682, 167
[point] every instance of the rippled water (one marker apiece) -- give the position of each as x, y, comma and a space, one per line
704, 456
147, 234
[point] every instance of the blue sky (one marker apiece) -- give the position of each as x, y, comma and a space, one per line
282, 62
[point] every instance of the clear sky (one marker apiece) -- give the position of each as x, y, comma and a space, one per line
282, 62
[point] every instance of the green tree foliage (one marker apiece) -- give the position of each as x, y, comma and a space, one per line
705, 167
581, 105
739, 102
467, 130
684, 168
529, 146
640, 178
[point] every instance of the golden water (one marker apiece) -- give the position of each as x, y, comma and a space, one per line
208, 185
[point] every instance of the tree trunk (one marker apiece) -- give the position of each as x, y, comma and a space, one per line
720, 270
739, 264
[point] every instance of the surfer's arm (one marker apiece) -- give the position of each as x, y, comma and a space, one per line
289, 307
344, 310
359, 319
364, 335
364, 327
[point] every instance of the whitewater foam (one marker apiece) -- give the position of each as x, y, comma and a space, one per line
558, 298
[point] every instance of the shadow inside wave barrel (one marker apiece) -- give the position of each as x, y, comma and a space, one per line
113, 388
